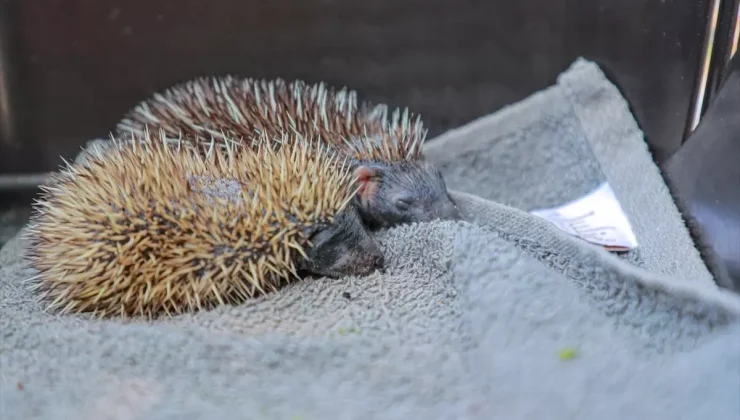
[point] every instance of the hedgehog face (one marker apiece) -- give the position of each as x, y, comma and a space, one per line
342, 248
402, 192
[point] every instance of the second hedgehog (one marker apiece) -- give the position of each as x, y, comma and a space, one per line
134, 232
397, 185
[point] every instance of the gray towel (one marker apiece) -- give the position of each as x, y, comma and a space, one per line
499, 316
560, 144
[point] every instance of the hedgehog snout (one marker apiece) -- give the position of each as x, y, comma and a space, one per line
378, 262
370, 260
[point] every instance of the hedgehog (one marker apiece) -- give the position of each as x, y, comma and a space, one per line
135, 232
397, 184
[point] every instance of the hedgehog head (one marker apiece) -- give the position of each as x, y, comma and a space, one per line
396, 184
342, 248
392, 193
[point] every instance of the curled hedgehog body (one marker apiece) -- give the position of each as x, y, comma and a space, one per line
135, 231
397, 185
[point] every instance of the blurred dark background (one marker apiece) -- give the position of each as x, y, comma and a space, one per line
73, 67
69, 69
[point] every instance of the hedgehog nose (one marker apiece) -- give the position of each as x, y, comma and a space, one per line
379, 262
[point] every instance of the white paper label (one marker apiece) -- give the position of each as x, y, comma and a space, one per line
596, 217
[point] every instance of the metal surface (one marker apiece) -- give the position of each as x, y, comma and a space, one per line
725, 40
700, 91
81, 64
735, 32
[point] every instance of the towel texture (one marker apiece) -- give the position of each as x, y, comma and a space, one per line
498, 316
560, 144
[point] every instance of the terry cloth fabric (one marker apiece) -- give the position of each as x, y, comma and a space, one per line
498, 316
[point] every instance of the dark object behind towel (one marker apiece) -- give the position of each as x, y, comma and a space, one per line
704, 175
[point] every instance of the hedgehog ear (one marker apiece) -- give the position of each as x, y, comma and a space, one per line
369, 180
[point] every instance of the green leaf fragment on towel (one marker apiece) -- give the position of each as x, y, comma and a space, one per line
567, 353
345, 331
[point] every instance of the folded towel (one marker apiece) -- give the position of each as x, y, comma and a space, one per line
562, 143
499, 316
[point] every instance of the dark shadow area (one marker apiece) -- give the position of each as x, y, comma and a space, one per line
15, 209
80, 65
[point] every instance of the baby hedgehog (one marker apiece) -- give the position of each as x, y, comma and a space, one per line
134, 231
397, 185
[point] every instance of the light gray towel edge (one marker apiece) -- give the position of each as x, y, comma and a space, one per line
585, 84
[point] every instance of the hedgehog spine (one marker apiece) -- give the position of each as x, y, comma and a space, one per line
109, 242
